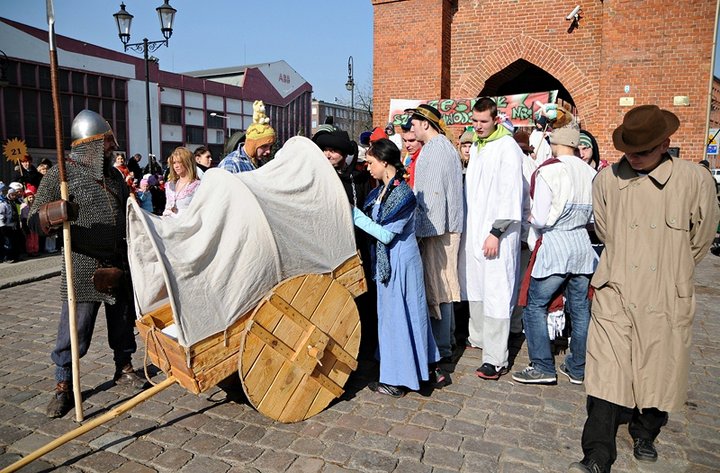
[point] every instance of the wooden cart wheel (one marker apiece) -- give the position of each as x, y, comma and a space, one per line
300, 347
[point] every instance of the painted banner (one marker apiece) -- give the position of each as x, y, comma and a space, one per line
520, 108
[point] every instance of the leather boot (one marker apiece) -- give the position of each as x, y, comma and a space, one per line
62, 400
126, 376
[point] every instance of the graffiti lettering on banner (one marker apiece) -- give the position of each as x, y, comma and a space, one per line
520, 108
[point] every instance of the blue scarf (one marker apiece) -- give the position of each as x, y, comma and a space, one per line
398, 201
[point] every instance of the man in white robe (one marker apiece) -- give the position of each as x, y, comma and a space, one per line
490, 249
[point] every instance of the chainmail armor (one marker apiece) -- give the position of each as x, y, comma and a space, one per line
98, 234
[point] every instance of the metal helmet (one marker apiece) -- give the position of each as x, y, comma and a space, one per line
88, 125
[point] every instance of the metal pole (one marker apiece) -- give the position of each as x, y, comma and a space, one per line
147, 97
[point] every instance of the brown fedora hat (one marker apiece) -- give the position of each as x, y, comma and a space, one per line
644, 128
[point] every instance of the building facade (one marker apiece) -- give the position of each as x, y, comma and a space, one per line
342, 117
184, 110
619, 54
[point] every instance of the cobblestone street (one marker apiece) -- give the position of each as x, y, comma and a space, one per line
472, 425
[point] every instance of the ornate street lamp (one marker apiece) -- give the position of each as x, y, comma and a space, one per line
350, 86
166, 14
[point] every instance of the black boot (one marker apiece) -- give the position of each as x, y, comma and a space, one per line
62, 400
126, 376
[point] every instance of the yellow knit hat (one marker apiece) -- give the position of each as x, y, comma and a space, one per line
260, 132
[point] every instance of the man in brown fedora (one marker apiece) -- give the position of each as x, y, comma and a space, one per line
657, 216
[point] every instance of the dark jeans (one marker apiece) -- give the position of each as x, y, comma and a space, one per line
120, 327
604, 418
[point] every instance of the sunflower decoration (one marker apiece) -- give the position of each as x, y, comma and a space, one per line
14, 150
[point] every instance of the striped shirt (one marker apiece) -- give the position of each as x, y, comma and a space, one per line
439, 189
566, 247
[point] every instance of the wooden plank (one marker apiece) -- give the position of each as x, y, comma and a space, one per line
261, 375
216, 354
358, 288
277, 396
344, 323
288, 288
207, 343
347, 265
187, 382
327, 384
297, 406
310, 293
267, 316
250, 350
217, 373
351, 277
293, 314
322, 400
352, 345
341, 355
271, 340
161, 317
330, 306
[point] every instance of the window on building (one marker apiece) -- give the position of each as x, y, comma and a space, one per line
194, 134
11, 72
44, 77
108, 109
12, 102
31, 118
215, 121
170, 115
78, 105
78, 82
92, 85
106, 86
64, 80
119, 89
47, 120
27, 75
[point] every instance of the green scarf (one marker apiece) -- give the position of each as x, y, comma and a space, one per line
499, 132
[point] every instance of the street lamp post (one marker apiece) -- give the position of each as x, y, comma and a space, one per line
166, 13
350, 85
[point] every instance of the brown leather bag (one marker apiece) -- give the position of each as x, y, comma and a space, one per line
53, 214
107, 280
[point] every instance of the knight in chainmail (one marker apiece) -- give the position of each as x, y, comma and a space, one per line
98, 241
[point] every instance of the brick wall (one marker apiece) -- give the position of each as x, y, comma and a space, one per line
448, 49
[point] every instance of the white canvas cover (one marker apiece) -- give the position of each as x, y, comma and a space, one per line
242, 235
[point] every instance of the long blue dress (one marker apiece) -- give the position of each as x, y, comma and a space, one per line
405, 340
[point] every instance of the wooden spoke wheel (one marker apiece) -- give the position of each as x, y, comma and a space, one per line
300, 347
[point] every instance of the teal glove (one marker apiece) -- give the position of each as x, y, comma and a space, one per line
366, 224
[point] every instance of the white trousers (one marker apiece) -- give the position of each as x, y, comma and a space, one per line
490, 334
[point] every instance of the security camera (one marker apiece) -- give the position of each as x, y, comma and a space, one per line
573, 13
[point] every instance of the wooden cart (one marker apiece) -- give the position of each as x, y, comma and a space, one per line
293, 352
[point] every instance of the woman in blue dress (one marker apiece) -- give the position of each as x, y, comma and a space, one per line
405, 342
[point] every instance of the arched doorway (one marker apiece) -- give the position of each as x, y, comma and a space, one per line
523, 76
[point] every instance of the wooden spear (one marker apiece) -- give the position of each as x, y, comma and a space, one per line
65, 195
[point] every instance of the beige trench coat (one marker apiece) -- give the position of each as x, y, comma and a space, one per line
656, 228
